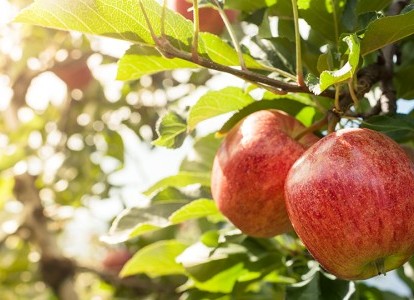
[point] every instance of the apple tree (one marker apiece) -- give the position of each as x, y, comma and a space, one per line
326, 64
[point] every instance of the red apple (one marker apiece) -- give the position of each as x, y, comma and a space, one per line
350, 198
210, 20
76, 74
250, 168
115, 260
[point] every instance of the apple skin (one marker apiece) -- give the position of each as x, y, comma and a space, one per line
350, 198
115, 260
250, 168
76, 74
210, 20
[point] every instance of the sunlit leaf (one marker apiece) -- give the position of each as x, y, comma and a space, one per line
200, 158
250, 6
140, 60
348, 70
115, 145
157, 259
196, 209
8, 160
125, 20
215, 103
171, 131
180, 180
6, 189
135, 221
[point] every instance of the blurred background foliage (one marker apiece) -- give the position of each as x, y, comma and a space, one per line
79, 187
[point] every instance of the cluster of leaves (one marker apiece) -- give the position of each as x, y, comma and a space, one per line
181, 233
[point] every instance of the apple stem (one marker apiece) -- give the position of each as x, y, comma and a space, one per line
299, 67
380, 265
196, 18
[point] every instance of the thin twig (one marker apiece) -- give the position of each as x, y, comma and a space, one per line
299, 67
232, 34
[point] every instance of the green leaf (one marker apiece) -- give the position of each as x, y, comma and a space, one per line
372, 293
328, 78
8, 160
215, 103
201, 156
140, 60
319, 14
371, 6
126, 21
399, 127
122, 20
321, 287
135, 221
6, 189
157, 259
214, 269
217, 50
224, 281
386, 31
403, 81
286, 103
171, 131
180, 180
115, 145
250, 6
196, 209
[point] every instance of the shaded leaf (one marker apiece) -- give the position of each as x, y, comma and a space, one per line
403, 81
372, 5
319, 286
372, 293
319, 15
286, 104
157, 259
386, 31
399, 127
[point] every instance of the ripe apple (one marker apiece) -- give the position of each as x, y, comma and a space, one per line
350, 198
210, 20
250, 168
76, 74
115, 260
